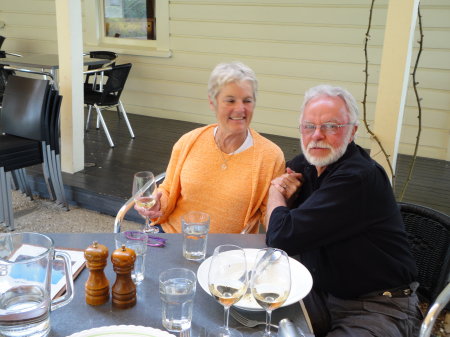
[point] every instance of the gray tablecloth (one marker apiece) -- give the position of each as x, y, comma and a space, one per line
208, 314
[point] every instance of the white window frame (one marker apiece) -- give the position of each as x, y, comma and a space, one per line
95, 39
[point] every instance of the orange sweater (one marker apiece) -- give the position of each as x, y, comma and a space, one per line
234, 198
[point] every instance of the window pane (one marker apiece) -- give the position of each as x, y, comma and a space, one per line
131, 19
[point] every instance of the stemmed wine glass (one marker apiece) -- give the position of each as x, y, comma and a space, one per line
270, 283
143, 188
227, 281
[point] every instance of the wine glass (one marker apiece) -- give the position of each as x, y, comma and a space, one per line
143, 188
270, 283
227, 281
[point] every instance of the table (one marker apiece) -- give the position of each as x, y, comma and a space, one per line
48, 62
44, 62
208, 314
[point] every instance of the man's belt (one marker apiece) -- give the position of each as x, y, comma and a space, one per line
402, 291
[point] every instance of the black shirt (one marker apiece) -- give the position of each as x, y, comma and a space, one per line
346, 226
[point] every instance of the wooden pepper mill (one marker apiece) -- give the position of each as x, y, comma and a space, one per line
97, 285
124, 289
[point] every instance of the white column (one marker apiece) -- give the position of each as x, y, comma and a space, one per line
394, 77
70, 50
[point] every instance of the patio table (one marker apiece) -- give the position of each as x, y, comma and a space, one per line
208, 314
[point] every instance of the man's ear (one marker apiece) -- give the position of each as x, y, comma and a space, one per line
355, 128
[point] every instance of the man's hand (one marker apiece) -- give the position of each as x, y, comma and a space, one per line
288, 183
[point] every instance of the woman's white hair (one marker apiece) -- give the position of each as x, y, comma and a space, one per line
329, 90
225, 73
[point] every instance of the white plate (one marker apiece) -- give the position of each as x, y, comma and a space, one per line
123, 330
301, 281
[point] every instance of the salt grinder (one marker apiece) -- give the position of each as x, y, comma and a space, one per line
97, 285
124, 289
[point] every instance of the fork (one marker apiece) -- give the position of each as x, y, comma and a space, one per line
251, 323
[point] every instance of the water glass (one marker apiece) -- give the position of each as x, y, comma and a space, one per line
177, 290
138, 242
195, 226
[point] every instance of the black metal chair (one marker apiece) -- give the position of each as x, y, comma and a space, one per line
90, 81
428, 232
2, 39
27, 121
109, 95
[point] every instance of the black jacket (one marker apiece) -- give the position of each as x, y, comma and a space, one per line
346, 226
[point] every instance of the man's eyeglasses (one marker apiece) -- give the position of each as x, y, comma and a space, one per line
328, 128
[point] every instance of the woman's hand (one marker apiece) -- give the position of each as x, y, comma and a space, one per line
288, 183
154, 212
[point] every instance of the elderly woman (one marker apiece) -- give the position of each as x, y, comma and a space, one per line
223, 169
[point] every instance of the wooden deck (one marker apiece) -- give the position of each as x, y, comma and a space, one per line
105, 183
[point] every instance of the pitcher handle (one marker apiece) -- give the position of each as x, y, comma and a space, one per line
68, 296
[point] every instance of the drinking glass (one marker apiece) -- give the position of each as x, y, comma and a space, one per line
177, 290
138, 242
270, 283
227, 282
143, 188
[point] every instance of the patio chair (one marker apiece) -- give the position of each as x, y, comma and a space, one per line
109, 95
90, 81
435, 309
25, 120
428, 232
2, 39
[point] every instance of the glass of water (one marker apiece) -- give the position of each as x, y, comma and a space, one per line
177, 290
195, 226
138, 242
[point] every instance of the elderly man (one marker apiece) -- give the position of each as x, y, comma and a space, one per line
334, 207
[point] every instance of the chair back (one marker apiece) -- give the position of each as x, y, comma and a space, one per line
2, 39
428, 232
24, 107
108, 56
104, 55
115, 83
117, 78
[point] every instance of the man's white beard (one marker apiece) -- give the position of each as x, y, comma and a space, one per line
334, 155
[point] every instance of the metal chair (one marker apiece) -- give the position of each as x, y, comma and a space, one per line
109, 58
26, 124
428, 232
108, 95
441, 302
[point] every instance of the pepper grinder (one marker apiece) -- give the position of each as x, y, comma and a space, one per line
124, 289
97, 285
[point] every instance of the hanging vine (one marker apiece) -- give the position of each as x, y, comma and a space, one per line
418, 99
419, 106
366, 81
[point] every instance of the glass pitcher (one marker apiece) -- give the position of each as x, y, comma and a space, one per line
26, 261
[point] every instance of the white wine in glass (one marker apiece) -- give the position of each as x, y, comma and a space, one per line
270, 283
144, 186
227, 282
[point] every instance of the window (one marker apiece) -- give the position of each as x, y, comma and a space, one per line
132, 19
133, 27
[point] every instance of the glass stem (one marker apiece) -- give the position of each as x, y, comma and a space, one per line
268, 320
226, 311
147, 224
